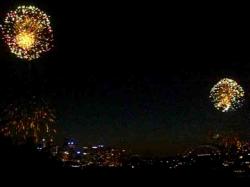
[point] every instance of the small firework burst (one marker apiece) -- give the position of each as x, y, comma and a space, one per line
29, 120
227, 95
27, 32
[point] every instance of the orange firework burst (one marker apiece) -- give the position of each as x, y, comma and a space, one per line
29, 121
27, 32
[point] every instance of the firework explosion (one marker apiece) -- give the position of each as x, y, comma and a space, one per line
27, 32
28, 121
227, 95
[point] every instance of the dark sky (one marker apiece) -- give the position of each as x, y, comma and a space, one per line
134, 75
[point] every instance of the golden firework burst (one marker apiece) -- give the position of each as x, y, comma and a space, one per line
27, 32
227, 95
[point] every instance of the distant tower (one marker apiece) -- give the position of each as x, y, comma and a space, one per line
70, 143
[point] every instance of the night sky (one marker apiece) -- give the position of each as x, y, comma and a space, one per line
134, 75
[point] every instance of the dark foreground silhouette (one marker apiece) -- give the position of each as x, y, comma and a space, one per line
25, 163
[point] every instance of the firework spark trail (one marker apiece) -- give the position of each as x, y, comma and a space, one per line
31, 120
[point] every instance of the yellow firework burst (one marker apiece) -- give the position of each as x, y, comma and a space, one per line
27, 32
227, 95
